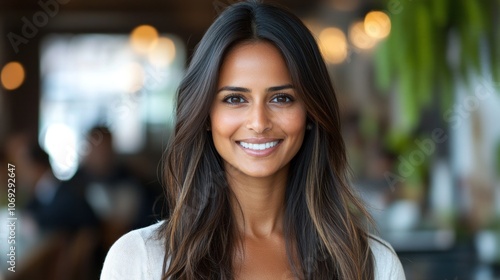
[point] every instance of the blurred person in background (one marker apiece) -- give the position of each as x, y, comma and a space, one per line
66, 227
111, 188
57, 230
256, 172
55, 205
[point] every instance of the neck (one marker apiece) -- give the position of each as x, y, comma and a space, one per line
258, 204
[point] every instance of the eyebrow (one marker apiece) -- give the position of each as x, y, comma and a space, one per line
242, 89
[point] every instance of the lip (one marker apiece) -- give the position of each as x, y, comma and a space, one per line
259, 140
259, 153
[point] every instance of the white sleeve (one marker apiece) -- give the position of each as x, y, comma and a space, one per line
127, 259
386, 262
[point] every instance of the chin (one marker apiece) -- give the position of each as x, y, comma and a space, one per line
261, 172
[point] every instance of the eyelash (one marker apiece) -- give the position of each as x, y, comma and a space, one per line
230, 96
279, 95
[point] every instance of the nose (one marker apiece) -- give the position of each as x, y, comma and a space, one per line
259, 119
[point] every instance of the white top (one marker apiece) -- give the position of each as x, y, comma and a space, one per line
138, 255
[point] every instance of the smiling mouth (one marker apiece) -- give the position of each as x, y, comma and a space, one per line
258, 146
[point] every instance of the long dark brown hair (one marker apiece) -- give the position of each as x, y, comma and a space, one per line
323, 222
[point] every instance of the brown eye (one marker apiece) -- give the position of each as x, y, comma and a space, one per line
234, 99
282, 98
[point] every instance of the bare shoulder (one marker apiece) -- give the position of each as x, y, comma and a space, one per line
386, 262
136, 255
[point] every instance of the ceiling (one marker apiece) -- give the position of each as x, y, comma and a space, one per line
140, 6
187, 18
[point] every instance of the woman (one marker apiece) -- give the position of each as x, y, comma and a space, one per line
256, 171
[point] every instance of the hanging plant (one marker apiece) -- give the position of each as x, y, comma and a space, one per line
415, 58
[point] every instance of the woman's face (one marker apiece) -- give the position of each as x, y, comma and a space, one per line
257, 119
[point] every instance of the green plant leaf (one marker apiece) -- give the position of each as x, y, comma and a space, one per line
439, 10
383, 73
424, 54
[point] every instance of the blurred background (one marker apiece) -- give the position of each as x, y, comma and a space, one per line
86, 109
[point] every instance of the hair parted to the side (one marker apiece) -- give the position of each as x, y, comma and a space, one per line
323, 218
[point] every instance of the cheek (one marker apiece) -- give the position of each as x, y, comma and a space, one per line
224, 123
294, 123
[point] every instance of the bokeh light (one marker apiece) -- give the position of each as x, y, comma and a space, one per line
163, 52
333, 45
143, 39
12, 75
359, 38
377, 24
60, 142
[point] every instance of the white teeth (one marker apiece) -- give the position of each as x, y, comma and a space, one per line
258, 147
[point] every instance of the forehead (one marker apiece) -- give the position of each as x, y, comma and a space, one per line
252, 61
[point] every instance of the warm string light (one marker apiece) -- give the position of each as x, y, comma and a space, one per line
366, 34
143, 39
12, 75
359, 38
333, 45
362, 35
163, 53
159, 52
377, 24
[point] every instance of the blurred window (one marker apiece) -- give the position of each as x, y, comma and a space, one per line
101, 79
